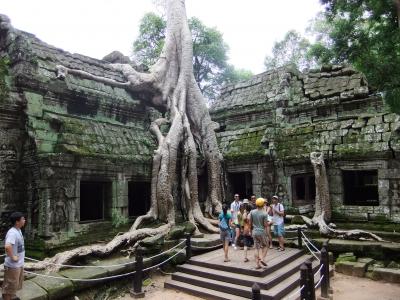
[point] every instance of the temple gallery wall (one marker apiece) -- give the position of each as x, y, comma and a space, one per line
76, 154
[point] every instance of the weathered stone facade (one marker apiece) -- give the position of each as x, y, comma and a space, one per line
60, 135
270, 124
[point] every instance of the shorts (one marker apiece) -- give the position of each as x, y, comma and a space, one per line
279, 230
247, 240
260, 240
13, 278
225, 235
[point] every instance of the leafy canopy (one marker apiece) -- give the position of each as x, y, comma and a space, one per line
292, 49
363, 33
210, 67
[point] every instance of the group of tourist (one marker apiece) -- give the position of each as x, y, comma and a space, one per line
249, 223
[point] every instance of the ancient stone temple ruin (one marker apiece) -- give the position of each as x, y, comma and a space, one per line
270, 124
76, 154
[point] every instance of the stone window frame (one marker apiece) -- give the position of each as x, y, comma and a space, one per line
307, 199
378, 164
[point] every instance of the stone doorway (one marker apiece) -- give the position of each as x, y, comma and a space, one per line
240, 183
139, 193
93, 198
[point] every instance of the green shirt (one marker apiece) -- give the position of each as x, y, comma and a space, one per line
258, 217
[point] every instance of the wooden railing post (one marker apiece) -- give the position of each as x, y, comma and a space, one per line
324, 272
255, 292
303, 283
138, 276
310, 280
299, 238
188, 246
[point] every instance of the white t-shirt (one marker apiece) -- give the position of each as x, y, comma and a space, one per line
235, 208
14, 237
277, 219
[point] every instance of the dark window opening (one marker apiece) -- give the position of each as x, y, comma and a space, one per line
93, 196
139, 194
241, 183
361, 187
303, 189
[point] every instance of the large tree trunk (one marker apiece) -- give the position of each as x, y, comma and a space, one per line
170, 85
323, 211
322, 199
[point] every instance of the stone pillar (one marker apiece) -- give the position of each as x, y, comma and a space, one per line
120, 195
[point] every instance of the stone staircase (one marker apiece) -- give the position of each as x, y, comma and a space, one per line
208, 276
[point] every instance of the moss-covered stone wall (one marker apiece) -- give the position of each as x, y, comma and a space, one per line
332, 110
57, 132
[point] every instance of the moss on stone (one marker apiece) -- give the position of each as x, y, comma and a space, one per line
4, 81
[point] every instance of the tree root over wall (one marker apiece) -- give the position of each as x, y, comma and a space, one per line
169, 86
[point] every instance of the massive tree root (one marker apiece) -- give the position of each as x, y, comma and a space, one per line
169, 86
54, 263
323, 210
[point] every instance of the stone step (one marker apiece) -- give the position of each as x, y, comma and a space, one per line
246, 280
200, 291
276, 260
290, 285
284, 287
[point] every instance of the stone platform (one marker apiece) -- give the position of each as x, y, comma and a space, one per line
208, 276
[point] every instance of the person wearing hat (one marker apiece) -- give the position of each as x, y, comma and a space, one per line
278, 214
258, 220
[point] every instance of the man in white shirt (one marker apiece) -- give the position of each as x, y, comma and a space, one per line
278, 214
15, 255
235, 208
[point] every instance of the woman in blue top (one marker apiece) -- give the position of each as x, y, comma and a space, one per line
225, 222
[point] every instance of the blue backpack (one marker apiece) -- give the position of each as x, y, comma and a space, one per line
223, 224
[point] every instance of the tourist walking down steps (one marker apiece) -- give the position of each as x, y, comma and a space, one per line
258, 220
225, 222
15, 256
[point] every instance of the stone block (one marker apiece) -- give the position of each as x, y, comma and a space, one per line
359, 123
348, 257
366, 260
34, 104
176, 232
55, 288
345, 267
32, 291
375, 120
84, 273
359, 269
389, 275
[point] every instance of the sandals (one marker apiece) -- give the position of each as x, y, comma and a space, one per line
227, 260
281, 249
258, 267
263, 263
246, 260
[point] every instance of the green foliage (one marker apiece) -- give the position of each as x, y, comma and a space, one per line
210, 57
366, 34
117, 219
292, 49
148, 46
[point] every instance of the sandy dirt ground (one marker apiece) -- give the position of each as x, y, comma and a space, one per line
355, 288
344, 288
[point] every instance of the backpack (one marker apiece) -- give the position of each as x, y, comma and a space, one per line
223, 225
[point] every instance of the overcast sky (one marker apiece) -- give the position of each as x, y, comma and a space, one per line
97, 27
